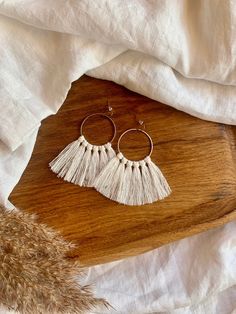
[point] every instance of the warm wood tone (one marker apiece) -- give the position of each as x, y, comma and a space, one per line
197, 158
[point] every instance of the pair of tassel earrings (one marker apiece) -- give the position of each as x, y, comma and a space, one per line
119, 179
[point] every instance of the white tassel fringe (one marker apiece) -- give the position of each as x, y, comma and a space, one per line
132, 182
81, 162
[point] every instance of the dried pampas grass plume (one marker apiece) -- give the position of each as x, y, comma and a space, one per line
35, 275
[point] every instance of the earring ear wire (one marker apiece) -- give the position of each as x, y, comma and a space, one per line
142, 124
109, 108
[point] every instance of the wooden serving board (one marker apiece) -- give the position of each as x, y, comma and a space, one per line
197, 157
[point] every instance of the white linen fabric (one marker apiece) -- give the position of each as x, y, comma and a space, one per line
182, 53
194, 275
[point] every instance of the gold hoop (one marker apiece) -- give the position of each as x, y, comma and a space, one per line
136, 130
101, 115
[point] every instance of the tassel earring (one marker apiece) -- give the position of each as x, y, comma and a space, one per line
80, 162
132, 182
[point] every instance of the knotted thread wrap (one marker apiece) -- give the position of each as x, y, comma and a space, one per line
80, 162
36, 277
132, 182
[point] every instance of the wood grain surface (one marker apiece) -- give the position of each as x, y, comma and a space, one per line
197, 158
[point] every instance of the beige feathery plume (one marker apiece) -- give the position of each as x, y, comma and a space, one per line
35, 275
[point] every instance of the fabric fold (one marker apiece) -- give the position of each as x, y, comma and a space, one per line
185, 35
17, 123
152, 78
36, 71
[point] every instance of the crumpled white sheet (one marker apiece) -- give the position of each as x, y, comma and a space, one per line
182, 53
194, 275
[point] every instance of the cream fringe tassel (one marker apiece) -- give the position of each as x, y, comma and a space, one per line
132, 182
80, 162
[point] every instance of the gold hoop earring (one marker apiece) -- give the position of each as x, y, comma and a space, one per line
132, 182
80, 162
